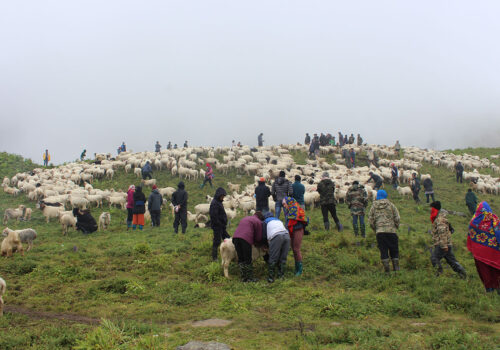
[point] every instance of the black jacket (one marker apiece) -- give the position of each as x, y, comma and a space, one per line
262, 193
218, 217
139, 201
180, 197
459, 168
155, 200
427, 185
281, 188
85, 221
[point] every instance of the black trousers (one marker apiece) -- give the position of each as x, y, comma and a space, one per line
438, 253
377, 186
472, 209
130, 215
460, 176
207, 179
147, 175
427, 195
155, 217
244, 250
388, 245
325, 208
219, 234
415, 195
180, 216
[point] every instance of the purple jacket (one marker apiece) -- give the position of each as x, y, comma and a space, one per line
130, 199
249, 229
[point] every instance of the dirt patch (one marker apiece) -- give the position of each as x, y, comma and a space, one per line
212, 322
15, 309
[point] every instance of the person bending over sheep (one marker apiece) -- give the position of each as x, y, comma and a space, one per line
147, 171
85, 222
248, 233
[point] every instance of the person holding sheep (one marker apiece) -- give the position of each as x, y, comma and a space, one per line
139, 208
147, 171
247, 234
85, 222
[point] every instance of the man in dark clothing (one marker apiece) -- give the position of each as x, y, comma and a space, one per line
84, 221
322, 140
218, 220
298, 191
341, 139
326, 190
157, 147
155, 201
262, 194
459, 169
169, 145
260, 140
281, 188
346, 140
415, 187
307, 141
359, 140
352, 158
147, 171
351, 139
185, 144
428, 188
376, 179
83, 155
394, 176
471, 201
179, 201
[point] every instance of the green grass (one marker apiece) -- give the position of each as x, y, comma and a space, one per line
149, 286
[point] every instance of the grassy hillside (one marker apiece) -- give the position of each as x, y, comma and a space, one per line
10, 164
152, 285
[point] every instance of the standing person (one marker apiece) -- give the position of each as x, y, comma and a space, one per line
233, 145
326, 190
85, 222
341, 139
157, 147
280, 189
394, 176
352, 157
332, 141
346, 140
345, 155
296, 224
218, 220
247, 234
147, 171
169, 145
397, 148
359, 140
471, 201
278, 240
316, 145
351, 139
459, 170
384, 220
123, 148
415, 187
298, 190
46, 158
155, 201
483, 241
185, 144
428, 188
83, 155
262, 194
376, 179
260, 140
307, 141
357, 200
441, 236
130, 205
139, 208
175, 146
209, 175
179, 201
322, 139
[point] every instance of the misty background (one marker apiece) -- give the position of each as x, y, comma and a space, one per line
91, 74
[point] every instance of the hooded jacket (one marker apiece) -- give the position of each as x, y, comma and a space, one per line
218, 217
471, 199
180, 197
427, 185
383, 217
147, 168
130, 199
281, 188
262, 193
326, 190
357, 199
441, 234
139, 201
298, 192
155, 200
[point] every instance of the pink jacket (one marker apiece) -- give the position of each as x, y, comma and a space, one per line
130, 199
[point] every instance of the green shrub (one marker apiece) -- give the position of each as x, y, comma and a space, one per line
348, 263
20, 267
118, 286
142, 248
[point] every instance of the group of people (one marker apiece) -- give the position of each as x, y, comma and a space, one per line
136, 207
329, 140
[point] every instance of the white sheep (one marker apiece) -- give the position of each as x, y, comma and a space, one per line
67, 220
228, 254
27, 214
233, 187
11, 244
138, 172
50, 211
404, 191
3, 288
16, 214
104, 221
149, 182
27, 235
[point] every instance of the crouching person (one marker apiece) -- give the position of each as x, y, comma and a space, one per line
279, 245
248, 232
441, 235
84, 221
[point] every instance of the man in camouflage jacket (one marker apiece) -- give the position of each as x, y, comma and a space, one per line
441, 237
326, 190
357, 200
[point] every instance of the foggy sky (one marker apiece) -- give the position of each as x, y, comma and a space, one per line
91, 74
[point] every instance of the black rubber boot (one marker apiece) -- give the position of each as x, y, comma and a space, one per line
327, 225
395, 264
272, 271
356, 229
249, 274
243, 272
214, 253
340, 227
363, 230
281, 270
387, 268
460, 270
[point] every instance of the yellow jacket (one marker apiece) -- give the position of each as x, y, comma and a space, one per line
45, 155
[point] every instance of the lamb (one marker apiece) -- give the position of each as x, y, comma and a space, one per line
228, 254
233, 187
16, 214
27, 214
110, 173
3, 288
27, 235
67, 220
404, 191
150, 182
202, 209
138, 172
50, 210
11, 244
120, 200
104, 221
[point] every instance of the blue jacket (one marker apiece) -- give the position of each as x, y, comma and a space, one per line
147, 168
298, 192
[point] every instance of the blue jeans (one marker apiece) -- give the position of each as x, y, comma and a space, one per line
278, 206
355, 220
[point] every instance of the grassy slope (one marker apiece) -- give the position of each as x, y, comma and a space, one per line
152, 284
